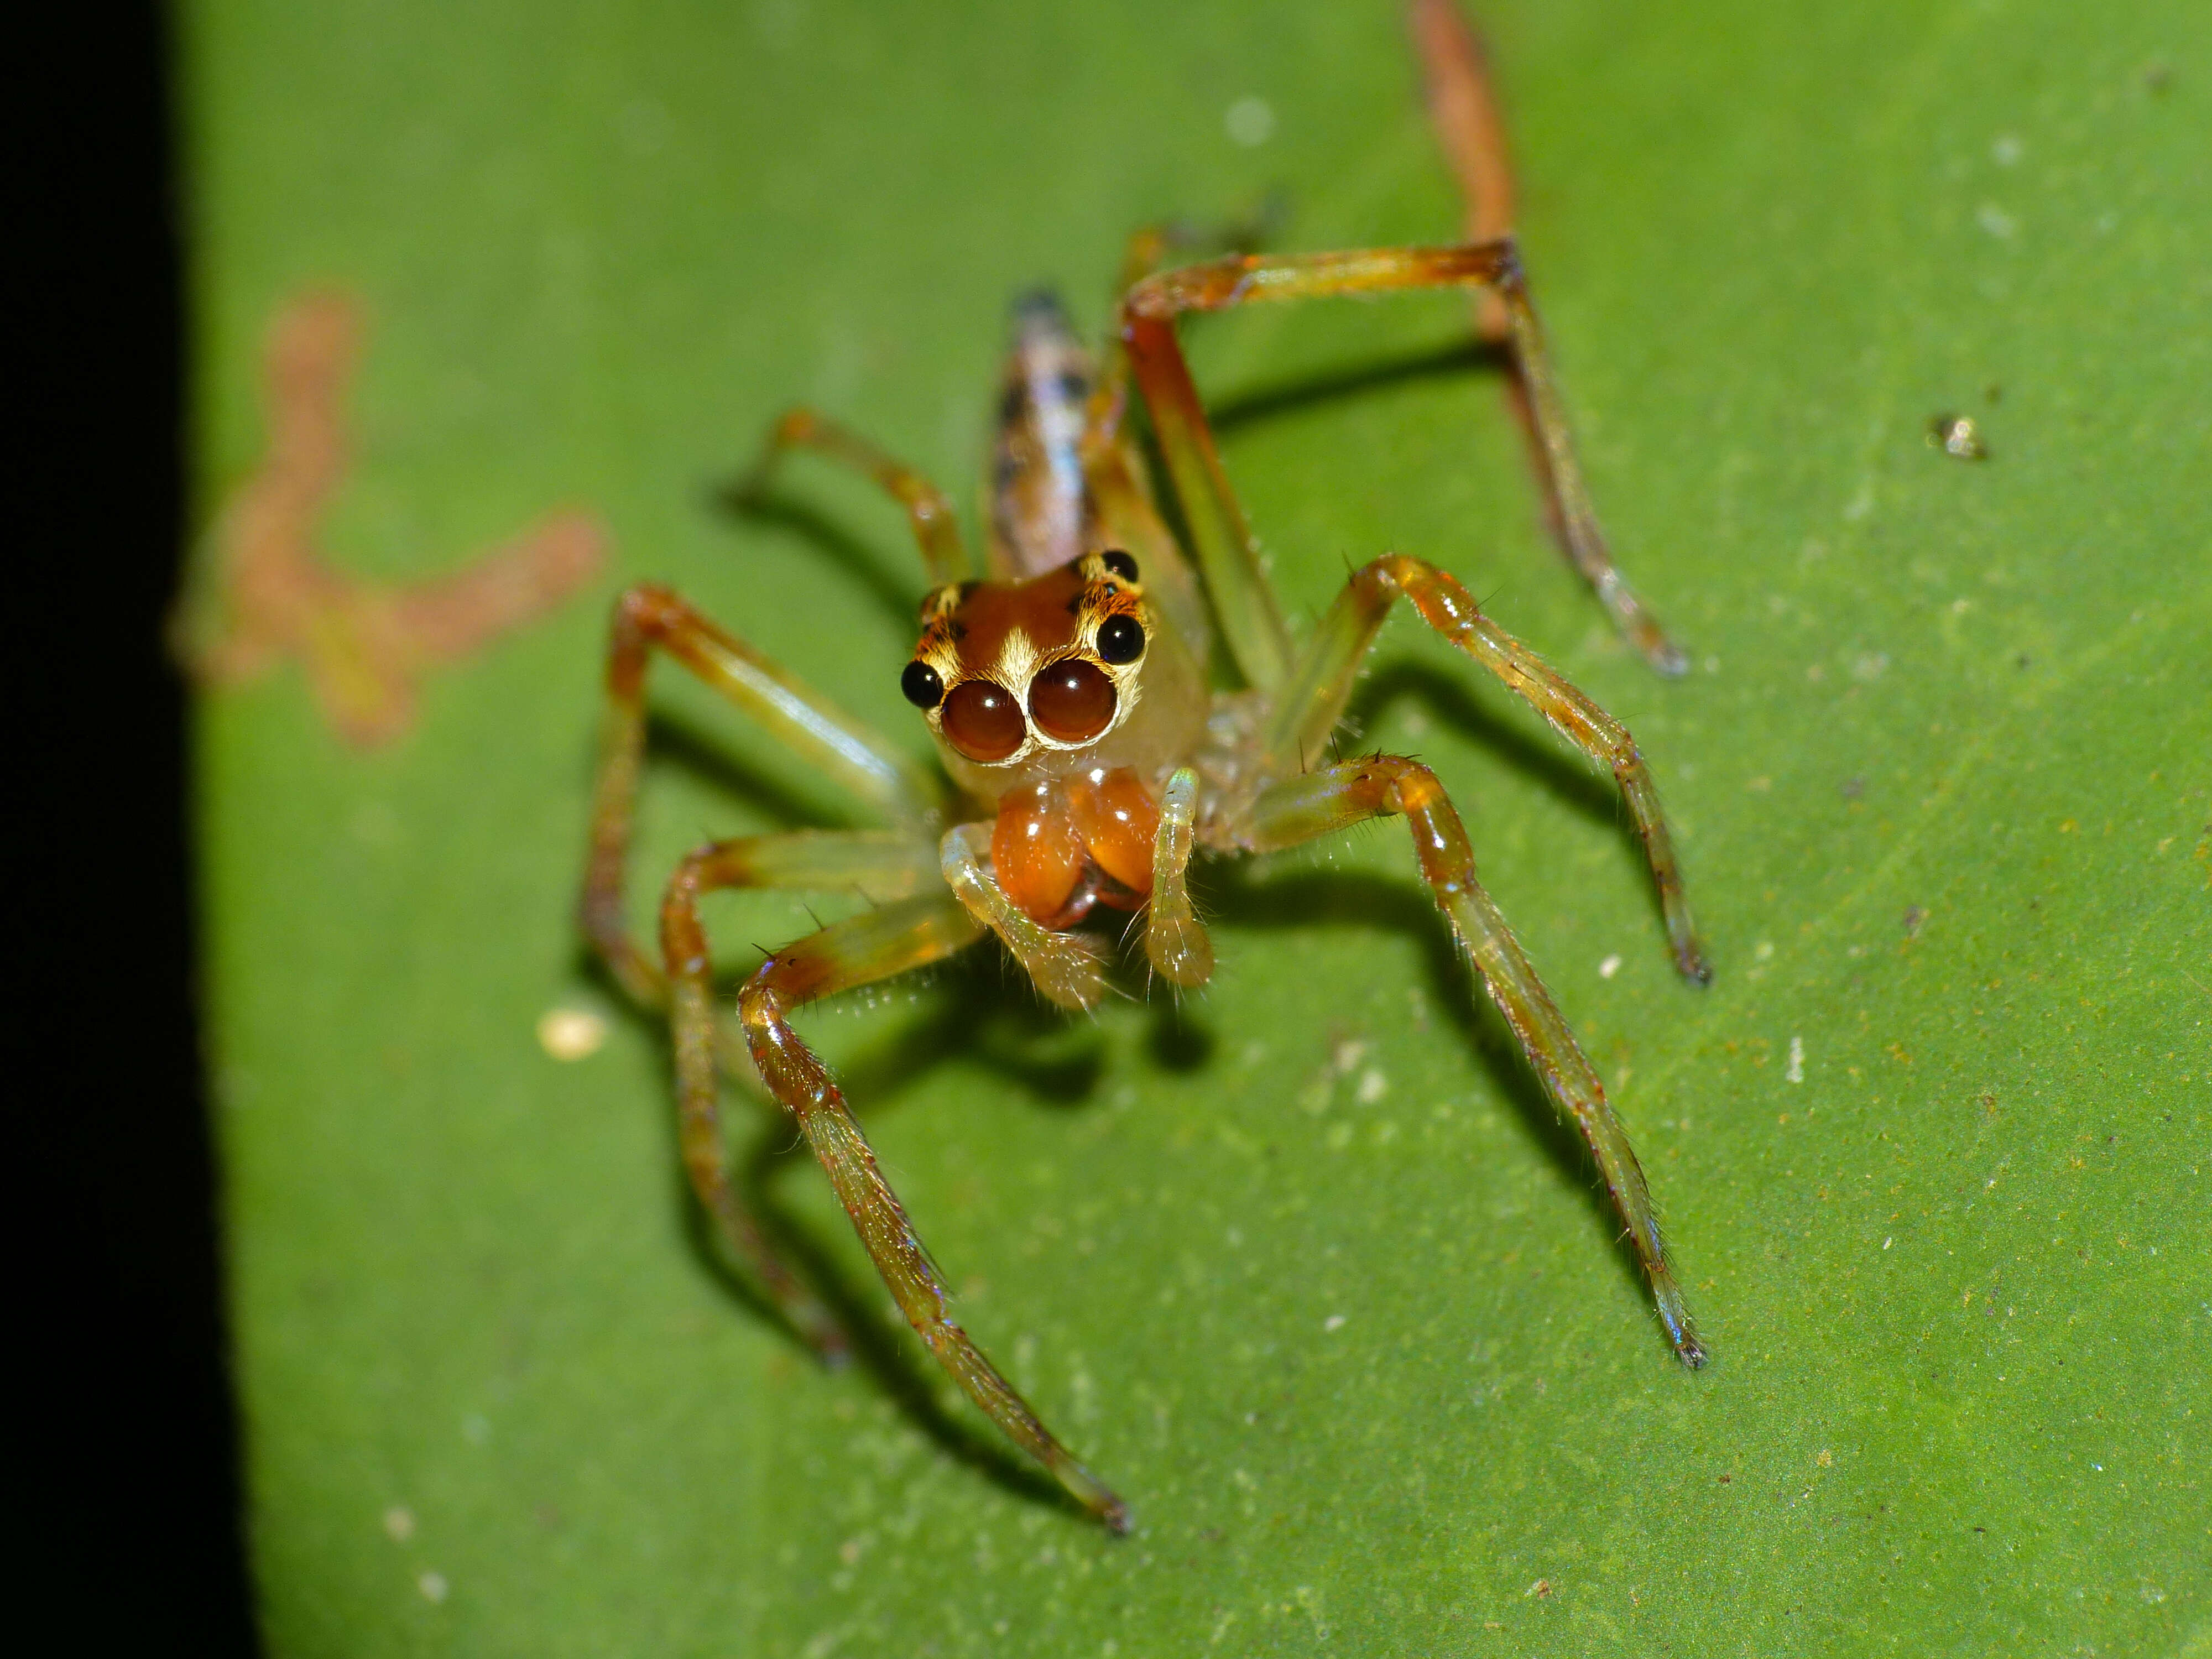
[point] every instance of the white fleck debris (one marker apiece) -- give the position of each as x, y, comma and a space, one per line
1763, 951
1796, 1072
571, 1034
1373, 1085
2006, 150
1250, 122
1334, 1323
399, 1523
1347, 1054
433, 1585
1610, 966
1995, 221
1886, 1242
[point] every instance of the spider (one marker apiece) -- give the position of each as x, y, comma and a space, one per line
1085, 759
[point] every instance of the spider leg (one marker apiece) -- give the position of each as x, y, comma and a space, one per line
866, 948
1174, 939
1064, 965
883, 863
1226, 549
1314, 700
1141, 255
1299, 808
1471, 132
648, 617
936, 528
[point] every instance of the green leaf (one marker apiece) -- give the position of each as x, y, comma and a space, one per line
1304, 1267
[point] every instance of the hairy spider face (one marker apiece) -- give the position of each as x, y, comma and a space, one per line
1007, 670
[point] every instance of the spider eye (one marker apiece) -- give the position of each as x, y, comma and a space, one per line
1072, 700
922, 686
1120, 639
1120, 564
982, 720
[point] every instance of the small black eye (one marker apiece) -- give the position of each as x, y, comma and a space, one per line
1120, 564
1120, 639
923, 687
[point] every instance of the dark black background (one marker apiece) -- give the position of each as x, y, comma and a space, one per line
129, 1482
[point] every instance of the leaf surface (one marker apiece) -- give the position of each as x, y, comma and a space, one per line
1304, 1267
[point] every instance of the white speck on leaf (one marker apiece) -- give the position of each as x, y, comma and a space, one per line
571, 1034
1250, 122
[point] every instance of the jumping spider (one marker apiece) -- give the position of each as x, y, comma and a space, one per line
1068, 694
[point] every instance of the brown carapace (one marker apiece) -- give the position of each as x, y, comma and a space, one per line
1085, 758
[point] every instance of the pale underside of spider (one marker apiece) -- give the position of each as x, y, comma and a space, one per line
1086, 758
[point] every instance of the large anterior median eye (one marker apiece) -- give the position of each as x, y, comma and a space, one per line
982, 720
1072, 700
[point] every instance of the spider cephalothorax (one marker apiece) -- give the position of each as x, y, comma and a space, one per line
1072, 702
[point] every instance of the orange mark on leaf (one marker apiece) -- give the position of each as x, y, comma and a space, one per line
366, 645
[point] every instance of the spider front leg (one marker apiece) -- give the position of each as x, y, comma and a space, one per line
858, 951
882, 864
936, 527
1313, 702
1227, 553
1299, 808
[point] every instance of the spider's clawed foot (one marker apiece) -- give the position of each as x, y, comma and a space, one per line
1094, 1494
1675, 1314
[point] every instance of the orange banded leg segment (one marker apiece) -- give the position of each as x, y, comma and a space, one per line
1227, 551
1175, 939
881, 861
867, 948
936, 527
1314, 702
1063, 965
1300, 809
648, 618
